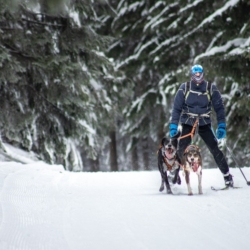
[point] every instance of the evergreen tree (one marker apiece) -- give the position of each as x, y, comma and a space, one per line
227, 59
157, 43
54, 79
119, 91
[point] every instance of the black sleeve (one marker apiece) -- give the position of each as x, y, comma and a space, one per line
218, 105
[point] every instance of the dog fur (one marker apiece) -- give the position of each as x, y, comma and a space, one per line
192, 162
168, 163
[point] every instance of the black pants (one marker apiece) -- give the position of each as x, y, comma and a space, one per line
209, 138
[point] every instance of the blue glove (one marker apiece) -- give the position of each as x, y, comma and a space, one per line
221, 130
173, 129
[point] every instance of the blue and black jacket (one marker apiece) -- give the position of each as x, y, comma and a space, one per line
197, 101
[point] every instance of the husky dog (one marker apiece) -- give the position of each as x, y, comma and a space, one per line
192, 162
168, 163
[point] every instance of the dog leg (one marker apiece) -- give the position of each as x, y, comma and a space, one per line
162, 185
164, 180
177, 178
171, 176
187, 178
161, 170
169, 191
199, 173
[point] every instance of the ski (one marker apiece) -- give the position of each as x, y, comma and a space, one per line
224, 188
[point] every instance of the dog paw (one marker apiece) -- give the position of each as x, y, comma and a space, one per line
169, 191
190, 194
161, 188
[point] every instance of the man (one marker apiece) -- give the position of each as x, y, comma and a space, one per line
197, 103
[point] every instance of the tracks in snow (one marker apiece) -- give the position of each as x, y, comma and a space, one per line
29, 199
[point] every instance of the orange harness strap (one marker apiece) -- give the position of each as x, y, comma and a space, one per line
167, 164
192, 131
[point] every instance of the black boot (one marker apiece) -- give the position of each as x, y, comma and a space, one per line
228, 180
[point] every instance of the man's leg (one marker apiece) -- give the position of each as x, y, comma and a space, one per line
209, 138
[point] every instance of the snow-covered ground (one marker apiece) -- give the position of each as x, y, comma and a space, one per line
45, 207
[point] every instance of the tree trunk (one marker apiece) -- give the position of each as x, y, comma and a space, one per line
95, 167
113, 151
135, 163
145, 154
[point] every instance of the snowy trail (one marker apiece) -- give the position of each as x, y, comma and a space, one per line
45, 207
32, 218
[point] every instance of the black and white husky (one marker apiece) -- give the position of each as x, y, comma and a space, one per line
168, 163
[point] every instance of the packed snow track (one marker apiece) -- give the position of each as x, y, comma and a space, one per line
45, 207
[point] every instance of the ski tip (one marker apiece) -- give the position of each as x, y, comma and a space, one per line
223, 188
219, 189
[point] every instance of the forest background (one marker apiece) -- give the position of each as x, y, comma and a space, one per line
90, 84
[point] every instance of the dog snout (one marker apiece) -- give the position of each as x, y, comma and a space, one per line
192, 159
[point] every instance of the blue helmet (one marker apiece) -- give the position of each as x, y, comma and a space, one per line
197, 69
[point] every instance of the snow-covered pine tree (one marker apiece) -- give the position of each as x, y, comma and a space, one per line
158, 41
119, 91
227, 61
145, 49
131, 57
53, 97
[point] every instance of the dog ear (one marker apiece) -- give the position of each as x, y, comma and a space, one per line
199, 150
163, 141
186, 150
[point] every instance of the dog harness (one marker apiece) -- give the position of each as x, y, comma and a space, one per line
169, 166
165, 158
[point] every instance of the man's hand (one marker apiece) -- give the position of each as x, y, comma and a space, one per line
173, 129
221, 130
